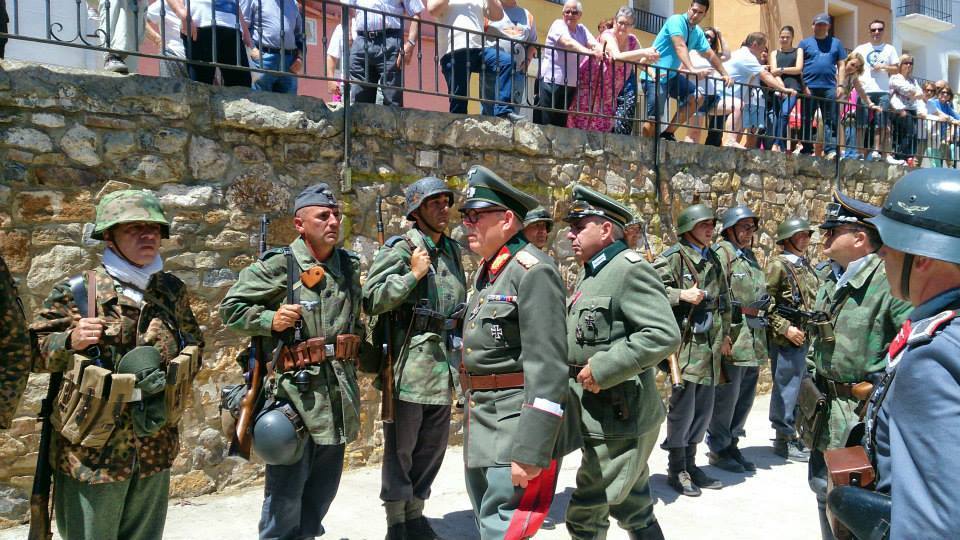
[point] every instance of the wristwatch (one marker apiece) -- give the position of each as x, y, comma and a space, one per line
412, 42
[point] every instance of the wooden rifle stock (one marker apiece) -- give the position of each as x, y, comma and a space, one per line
42, 476
388, 398
256, 369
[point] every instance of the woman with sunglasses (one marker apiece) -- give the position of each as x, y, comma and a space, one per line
787, 64
940, 109
906, 100
713, 109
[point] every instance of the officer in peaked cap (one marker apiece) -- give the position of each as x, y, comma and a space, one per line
537, 226
911, 439
417, 281
860, 317
619, 327
518, 422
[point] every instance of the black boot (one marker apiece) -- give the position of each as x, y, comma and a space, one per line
397, 532
747, 465
677, 476
419, 529
791, 449
699, 477
724, 459
650, 532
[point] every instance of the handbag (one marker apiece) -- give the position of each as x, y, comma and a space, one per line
812, 420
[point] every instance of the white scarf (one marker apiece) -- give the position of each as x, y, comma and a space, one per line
133, 278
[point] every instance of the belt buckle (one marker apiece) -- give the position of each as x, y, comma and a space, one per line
329, 350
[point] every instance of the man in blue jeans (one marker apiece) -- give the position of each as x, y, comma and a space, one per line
277, 31
679, 34
462, 53
823, 57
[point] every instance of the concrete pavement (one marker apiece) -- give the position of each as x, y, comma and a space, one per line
774, 501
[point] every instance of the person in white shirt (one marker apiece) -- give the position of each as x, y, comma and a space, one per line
380, 50
335, 65
517, 24
204, 44
167, 38
882, 61
906, 102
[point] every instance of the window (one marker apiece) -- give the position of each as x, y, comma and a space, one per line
311, 31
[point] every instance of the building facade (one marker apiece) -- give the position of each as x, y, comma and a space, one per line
927, 29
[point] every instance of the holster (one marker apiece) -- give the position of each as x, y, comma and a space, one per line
814, 412
862, 513
316, 351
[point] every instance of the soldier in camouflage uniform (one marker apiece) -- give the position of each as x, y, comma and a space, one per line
697, 290
747, 286
792, 283
619, 327
537, 226
417, 279
119, 490
518, 419
14, 348
864, 316
323, 393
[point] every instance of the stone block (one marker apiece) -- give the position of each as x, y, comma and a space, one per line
207, 161
151, 169
119, 144
248, 154
164, 141
80, 145
48, 120
255, 193
222, 277
27, 139
65, 177
479, 133
530, 139
67, 233
109, 122
202, 260
428, 159
51, 267
15, 248
184, 196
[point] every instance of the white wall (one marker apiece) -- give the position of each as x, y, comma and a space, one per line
32, 18
932, 51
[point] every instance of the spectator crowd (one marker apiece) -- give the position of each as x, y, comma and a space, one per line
811, 97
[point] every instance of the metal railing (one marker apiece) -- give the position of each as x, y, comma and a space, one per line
938, 9
648, 22
584, 88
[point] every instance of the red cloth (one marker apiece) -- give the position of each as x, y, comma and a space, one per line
534, 505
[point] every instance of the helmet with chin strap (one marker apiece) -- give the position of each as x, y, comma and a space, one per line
129, 206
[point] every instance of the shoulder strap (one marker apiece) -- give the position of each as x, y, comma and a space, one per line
685, 261
795, 284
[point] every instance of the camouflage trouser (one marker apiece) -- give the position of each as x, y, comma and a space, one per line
613, 481
134, 509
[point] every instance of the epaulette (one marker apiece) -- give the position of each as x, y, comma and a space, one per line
822, 265
271, 252
632, 256
672, 250
526, 260
392, 241
352, 254
927, 328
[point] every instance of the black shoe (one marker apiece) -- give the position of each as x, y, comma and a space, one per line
725, 460
667, 136
650, 532
683, 484
699, 477
791, 450
397, 532
748, 466
420, 529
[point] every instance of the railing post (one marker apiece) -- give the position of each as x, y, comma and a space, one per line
346, 174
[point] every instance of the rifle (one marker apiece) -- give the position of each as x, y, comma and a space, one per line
40, 493
256, 369
799, 316
673, 361
388, 401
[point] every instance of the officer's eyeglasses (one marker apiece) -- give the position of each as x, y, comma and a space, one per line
837, 231
472, 217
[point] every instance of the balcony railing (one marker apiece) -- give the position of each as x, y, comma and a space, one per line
937, 9
647, 22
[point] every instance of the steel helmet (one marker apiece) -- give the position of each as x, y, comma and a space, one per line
129, 206
422, 190
145, 362
733, 215
279, 434
792, 226
538, 214
692, 215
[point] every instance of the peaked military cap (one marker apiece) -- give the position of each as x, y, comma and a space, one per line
486, 189
586, 202
536, 215
315, 195
845, 210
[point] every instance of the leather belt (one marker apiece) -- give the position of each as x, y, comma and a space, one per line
752, 311
389, 32
272, 50
497, 381
574, 370
835, 390
316, 351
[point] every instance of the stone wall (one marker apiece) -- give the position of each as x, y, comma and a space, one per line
218, 158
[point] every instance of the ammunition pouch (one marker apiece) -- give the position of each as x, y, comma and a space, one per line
736, 316
180, 374
316, 351
848, 467
814, 412
91, 402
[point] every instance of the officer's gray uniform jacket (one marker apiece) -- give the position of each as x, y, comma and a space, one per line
619, 319
915, 433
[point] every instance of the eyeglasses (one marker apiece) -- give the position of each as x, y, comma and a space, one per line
840, 229
571, 12
876, 30
945, 92
929, 90
472, 217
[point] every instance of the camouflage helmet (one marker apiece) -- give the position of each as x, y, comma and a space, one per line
692, 215
733, 216
920, 217
422, 190
129, 206
279, 434
791, 226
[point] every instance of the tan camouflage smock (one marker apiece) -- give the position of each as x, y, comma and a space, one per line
866, 319
425, 373
164, 321
791, 283
14, 348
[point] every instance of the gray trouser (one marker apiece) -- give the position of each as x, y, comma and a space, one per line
174, 69
789, 368
375, 61
731, 406
296, 497
413, 449
495, 499
688, 415
817, 479
122, 27
132, 509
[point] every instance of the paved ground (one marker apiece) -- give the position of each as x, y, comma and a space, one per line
774, 502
